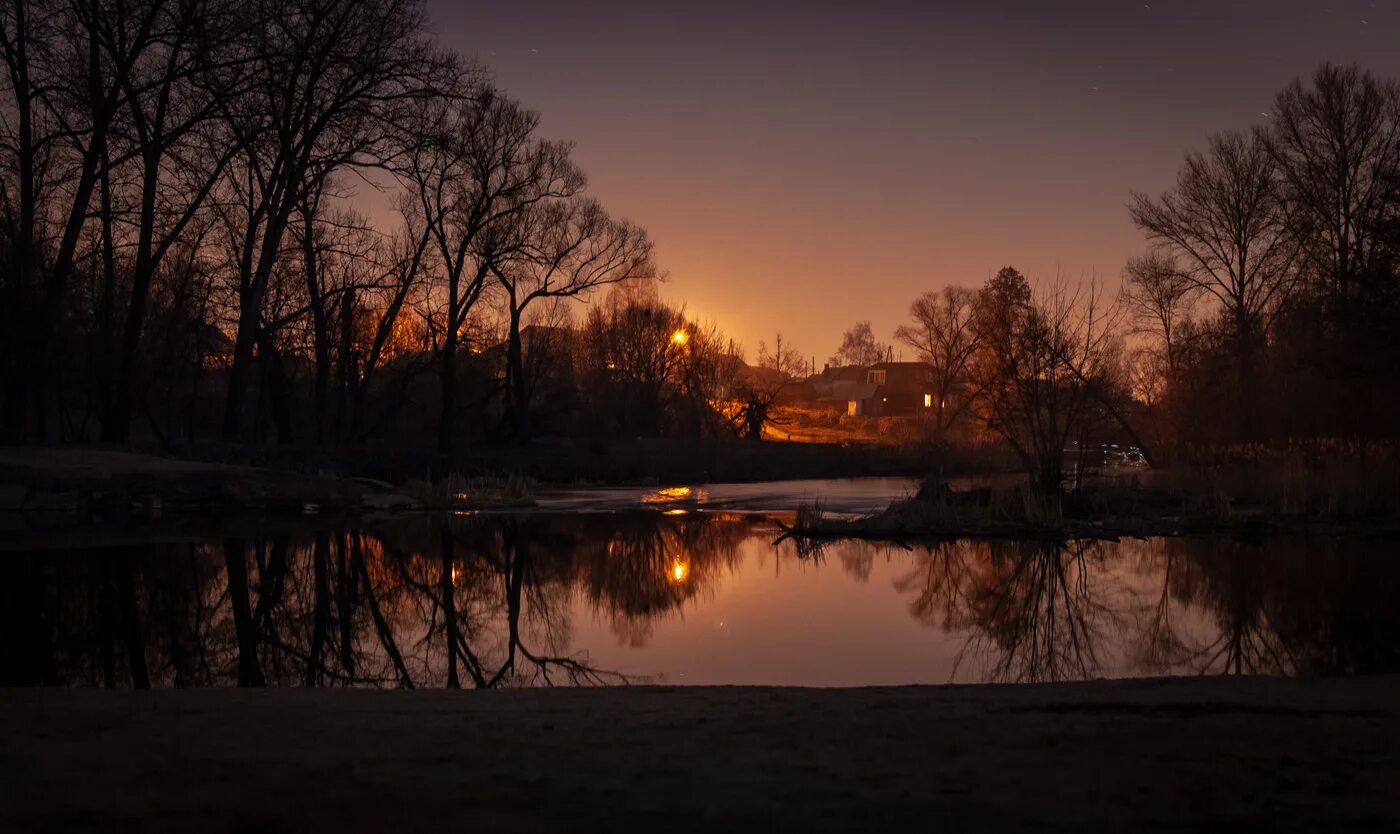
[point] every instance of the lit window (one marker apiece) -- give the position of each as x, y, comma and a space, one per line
928, 401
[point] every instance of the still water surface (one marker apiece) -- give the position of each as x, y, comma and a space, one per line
681, 597
838, 496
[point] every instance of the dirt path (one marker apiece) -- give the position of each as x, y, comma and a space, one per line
1143, 755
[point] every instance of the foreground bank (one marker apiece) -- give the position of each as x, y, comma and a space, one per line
1256, 752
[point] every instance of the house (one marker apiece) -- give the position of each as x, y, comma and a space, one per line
895, 389
885, 389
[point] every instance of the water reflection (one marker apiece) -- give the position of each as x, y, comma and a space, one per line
490, 601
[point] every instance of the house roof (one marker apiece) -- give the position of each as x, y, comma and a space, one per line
851, 373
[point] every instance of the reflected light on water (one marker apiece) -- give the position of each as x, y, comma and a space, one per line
673, 495
680, 570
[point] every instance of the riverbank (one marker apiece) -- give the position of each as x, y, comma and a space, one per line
1260, 753
39, 481
1268, 498
72, 479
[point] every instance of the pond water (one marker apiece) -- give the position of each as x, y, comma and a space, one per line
675, 596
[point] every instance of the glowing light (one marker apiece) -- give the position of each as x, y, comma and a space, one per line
667, 495
680, 337
680, 571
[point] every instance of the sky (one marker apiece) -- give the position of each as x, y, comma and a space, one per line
803, 166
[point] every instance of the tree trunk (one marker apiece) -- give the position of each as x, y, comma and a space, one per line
320, 326
252, 292
517, 397
275, 380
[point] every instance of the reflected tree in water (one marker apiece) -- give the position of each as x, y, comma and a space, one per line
490, 601
1033, 610
1039, 611
645, 567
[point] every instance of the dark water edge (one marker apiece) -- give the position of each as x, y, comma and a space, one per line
493, 600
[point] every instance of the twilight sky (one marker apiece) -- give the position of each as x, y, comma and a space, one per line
805, 165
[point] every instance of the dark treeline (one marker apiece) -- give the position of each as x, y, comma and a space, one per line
305, 222
490, 601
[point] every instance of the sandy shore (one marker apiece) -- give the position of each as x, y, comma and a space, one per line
1144, 755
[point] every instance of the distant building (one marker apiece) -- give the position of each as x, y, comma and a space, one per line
885, 389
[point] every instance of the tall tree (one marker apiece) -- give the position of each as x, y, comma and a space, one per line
943, 335
177, 151
1044, 369
479, 170
1159, 295
1337, 145
333, 83
1158, 298
859, 347
1224, 220
567, 248
68, 72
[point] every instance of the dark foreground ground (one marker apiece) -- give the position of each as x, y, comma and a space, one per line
1246, 754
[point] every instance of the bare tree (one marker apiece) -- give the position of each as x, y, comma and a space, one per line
333, 83
377, 329
342, 258
567, 248
756, 389
1159, 295
944, 336
1043, 371
859, 347
1337, 145
66, 82
178, 150
480, 170
1226, 224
